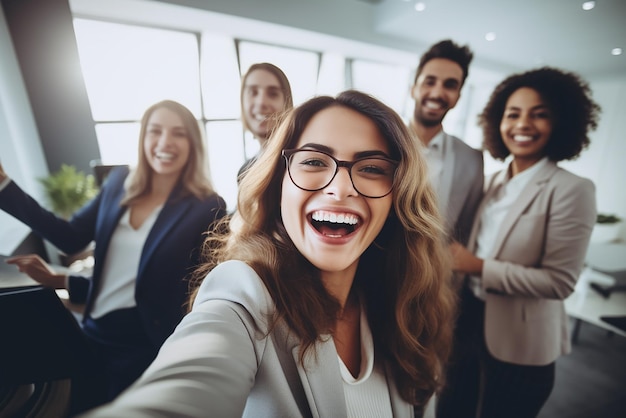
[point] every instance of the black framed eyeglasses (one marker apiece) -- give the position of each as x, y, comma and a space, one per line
313, 170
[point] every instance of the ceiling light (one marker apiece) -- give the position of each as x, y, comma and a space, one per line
490, 36
588, 5
420, 6
616, 51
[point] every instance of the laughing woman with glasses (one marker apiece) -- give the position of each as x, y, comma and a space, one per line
329, 296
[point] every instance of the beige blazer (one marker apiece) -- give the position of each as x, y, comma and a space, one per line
221, 362
535, 263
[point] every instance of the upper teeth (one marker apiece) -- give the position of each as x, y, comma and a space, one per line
433, 105
522, 138
164, 155
261, 117
345, 218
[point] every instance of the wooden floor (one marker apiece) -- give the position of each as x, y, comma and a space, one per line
591, 380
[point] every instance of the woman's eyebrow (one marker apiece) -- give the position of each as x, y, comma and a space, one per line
318, 147
372, 153
357, 155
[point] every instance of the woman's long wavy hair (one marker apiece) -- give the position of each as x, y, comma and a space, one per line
194, 179
404, 274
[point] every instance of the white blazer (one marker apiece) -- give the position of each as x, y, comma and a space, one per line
221, 362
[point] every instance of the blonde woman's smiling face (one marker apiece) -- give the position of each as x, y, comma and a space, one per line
333, 226
166, 143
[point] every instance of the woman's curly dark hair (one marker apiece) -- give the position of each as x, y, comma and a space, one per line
567, 96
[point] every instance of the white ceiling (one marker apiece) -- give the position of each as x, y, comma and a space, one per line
529, 33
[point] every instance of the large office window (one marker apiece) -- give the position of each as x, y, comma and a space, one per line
389, 83
127, 68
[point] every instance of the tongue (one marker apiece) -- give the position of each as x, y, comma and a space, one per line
333, 231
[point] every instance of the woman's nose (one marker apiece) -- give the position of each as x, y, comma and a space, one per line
341, 185
261, 100
522, 121
165, 137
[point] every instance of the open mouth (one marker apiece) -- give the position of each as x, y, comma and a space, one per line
261, 118
164, 156
334, 225
522, 138
433, 105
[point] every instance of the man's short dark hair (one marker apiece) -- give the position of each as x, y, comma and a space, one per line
447, 49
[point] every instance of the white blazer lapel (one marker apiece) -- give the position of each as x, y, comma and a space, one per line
399, 407
528, 194
322, 385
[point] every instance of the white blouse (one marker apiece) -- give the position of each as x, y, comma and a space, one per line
367, 395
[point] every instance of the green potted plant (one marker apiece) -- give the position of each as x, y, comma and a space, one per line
67, 190
607, 228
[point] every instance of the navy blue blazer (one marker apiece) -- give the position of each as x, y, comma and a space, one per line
169, 255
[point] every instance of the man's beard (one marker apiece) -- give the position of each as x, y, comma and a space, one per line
427, 122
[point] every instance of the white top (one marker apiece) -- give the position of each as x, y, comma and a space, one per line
368, 394
121, 264
435, 153
494, 213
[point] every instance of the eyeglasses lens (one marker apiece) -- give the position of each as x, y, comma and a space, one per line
314, 170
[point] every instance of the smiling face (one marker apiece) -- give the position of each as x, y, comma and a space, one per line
166, 143
333, 226
526, 127
262, 97
436, 91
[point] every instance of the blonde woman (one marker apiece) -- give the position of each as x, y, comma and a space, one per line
148, 226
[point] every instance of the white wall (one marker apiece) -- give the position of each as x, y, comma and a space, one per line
604, 162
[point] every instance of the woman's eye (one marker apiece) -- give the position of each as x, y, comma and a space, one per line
374, 168
313, 162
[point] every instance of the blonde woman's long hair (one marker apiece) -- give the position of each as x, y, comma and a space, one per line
405, 273
195, 178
